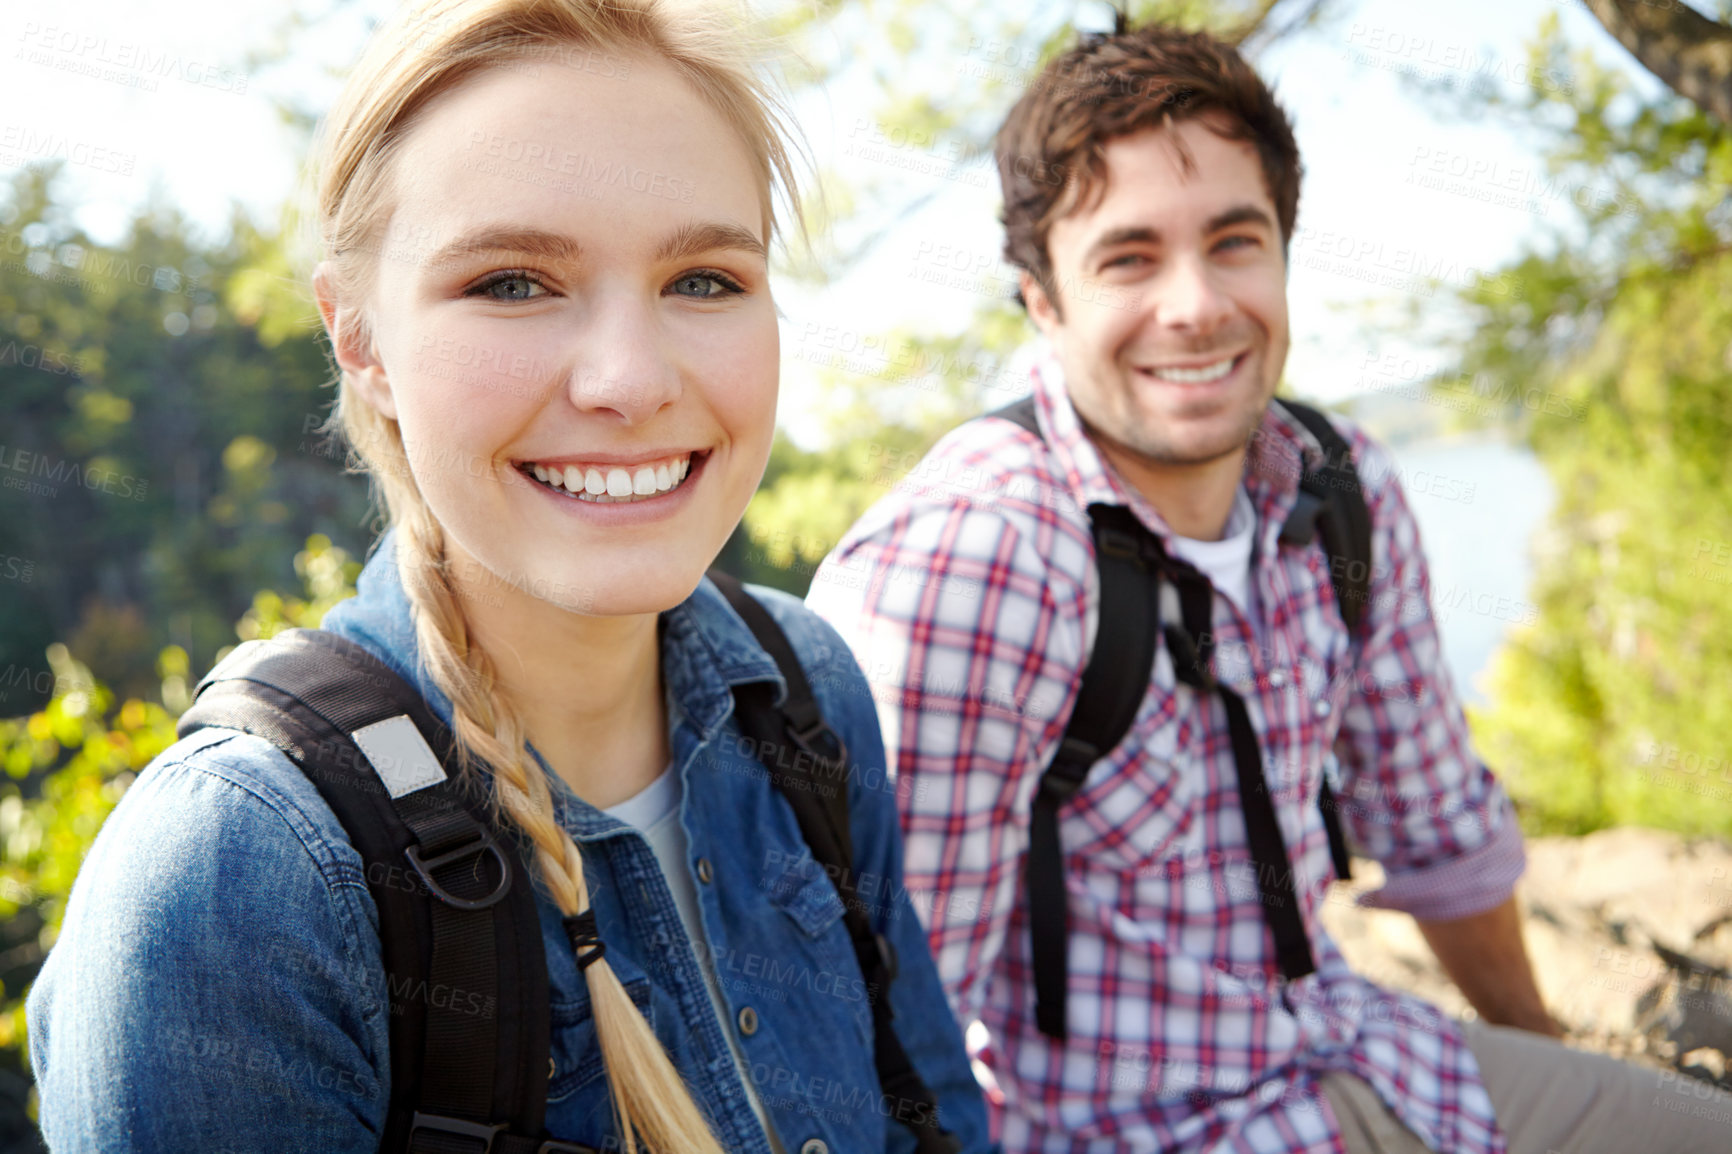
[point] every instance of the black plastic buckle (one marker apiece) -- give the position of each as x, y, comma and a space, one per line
887, 957
802, 739
1070, 765
1301, 524
1189, 666
485, 842
480, 1131
1118, 543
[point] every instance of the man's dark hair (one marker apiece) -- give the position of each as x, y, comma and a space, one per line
1050, 148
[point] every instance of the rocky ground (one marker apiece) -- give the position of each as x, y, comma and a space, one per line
1631, 936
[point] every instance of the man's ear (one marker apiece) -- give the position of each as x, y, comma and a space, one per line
351, 345
1041, 309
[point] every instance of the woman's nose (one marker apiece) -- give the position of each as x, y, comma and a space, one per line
627, 369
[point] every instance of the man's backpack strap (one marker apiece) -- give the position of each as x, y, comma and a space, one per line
808, 763
461, 940
1336, 510
1332, 504
1114, 683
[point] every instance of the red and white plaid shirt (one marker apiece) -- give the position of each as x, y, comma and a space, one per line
969, 595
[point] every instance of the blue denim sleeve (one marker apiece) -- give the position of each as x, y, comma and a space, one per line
924, 1021
216, 985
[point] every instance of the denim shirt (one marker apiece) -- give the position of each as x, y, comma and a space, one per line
218, 982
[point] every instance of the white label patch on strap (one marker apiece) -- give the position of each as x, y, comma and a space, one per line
400, 755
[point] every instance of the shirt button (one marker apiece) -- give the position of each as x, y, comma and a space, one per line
814, 1146
1277, 677
748, 1021
704, 871
1321, 709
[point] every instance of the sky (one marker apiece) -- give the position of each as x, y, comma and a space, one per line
158, 99
155, 101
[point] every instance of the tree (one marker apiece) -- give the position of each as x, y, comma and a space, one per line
157, 395
1684, 48
1608, 710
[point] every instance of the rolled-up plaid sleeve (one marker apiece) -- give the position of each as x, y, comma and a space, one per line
1416, 797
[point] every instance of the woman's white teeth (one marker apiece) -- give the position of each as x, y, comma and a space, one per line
615, 484
1212, 372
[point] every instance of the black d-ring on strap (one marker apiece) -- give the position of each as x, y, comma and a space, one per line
426, 866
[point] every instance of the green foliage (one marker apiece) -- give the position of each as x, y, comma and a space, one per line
1610, 710
882, 416
68, 764
157, 394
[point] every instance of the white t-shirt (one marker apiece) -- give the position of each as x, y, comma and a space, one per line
1227, 562
655, 812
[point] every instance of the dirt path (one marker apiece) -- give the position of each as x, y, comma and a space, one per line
1595, 909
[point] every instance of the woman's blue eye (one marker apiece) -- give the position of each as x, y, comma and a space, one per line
510, 287
705, 286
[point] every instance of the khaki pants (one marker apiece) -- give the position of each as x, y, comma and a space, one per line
1551, 1099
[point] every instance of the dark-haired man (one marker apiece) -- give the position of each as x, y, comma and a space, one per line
1151, 185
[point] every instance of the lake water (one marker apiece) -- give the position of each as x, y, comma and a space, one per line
1478, 502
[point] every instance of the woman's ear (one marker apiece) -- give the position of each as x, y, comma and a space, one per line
352, 345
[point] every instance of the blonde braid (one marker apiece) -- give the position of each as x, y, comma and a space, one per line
428, 47
649, 1096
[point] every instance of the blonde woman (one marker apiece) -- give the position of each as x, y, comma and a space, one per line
544, 227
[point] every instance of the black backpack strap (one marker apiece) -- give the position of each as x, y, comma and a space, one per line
1332, 504
808, 763
1191, 642
1019, 413
1131, 562
1113, 687
457, 913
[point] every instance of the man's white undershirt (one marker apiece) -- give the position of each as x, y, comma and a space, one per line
1227, 562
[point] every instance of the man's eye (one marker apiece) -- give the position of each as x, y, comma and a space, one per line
509, 286
1237, 242
1129, 260
705, 286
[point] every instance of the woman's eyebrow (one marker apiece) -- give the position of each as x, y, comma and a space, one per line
687, 240
691, 239
536, 242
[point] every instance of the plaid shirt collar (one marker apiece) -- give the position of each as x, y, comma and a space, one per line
1280, 449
